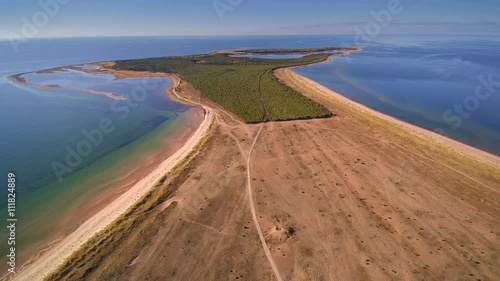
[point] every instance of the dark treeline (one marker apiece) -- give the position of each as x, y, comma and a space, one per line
233, 82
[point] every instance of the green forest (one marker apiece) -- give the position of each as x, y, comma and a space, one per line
242, 85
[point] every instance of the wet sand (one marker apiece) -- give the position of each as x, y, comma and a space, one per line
127, 175
61, 250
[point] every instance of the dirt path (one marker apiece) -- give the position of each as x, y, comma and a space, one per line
265, 247
252, 209
248, 158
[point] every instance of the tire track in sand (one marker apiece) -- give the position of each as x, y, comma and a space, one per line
249, 190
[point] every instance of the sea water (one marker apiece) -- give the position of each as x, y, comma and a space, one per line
431, 82
417, 79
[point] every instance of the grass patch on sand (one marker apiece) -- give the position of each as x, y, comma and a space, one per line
106, 255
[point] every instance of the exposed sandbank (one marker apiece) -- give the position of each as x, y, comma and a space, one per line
18, 79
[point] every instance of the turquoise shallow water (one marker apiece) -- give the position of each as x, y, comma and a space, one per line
71, 142
61, 120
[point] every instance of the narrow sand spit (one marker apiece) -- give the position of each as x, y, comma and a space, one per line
18, 79
461, 148
356, 187
56, 256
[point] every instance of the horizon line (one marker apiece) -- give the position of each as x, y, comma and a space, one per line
251, 35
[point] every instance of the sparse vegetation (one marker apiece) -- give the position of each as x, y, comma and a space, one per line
107, 254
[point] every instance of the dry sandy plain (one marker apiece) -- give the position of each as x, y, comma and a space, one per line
367, 199
358, 196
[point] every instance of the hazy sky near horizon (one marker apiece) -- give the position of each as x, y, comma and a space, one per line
63, 18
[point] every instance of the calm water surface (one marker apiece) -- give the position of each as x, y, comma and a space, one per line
417, 79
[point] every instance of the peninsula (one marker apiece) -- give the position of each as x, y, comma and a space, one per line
284, 179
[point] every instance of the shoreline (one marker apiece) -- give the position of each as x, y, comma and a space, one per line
111, 178
454, 145
54, 257
114, 210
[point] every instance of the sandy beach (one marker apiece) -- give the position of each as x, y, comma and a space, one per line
50, 260
289, 75
106, 184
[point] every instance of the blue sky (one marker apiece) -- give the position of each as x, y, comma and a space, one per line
242, 17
